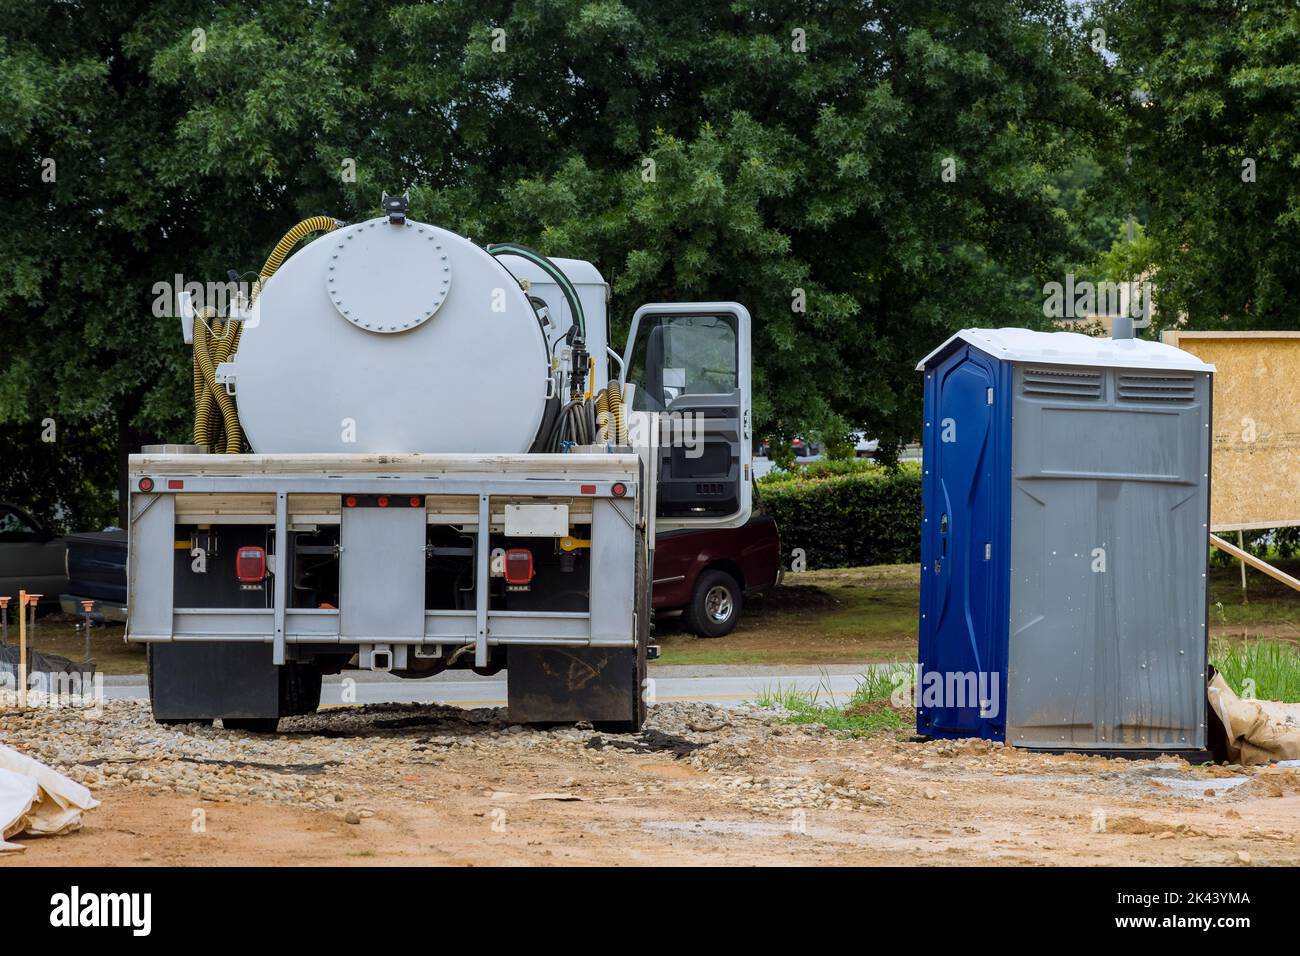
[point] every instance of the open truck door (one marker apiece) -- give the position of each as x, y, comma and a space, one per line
689, 367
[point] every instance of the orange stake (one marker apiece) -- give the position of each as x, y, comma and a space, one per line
22, 649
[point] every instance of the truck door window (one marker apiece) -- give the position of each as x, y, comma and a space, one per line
679, 355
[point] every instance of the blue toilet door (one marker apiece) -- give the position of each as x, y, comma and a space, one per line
963, 633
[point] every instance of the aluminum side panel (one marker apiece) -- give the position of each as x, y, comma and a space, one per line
1107, 641
613, 555
381, 574
150, 566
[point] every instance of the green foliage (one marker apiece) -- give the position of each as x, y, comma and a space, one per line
868, 516
821, 468
1092, 212
63, 482
1125, 260
839, 446
1207, 92
189, 134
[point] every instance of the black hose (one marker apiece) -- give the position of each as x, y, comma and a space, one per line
574, 424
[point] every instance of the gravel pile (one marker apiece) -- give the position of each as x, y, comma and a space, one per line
342, 755
347, 759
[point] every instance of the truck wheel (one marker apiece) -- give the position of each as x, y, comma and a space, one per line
715, 605
252, 725
300, 683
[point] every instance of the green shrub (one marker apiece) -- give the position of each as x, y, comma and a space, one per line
821, 468
847, 517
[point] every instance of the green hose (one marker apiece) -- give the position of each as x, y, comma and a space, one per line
552, 270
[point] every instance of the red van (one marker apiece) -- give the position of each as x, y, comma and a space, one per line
706, 574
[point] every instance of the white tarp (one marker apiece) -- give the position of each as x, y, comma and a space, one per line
37, 800
1259, 731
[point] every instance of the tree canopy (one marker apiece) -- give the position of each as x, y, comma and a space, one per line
864, 177
1207, 94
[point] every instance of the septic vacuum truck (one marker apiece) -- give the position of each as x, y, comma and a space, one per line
413, 453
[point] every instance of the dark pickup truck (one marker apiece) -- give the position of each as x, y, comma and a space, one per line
707, 574
96, 572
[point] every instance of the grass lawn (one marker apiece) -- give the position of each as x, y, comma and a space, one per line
56, 634
1266, 608
853, 615
843, 616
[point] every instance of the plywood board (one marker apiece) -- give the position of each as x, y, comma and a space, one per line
1256, 450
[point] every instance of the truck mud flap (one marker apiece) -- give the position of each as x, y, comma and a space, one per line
199, 680
561, 685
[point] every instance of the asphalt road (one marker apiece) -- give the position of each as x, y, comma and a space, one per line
727, 686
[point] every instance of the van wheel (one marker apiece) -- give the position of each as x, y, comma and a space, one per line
715, 605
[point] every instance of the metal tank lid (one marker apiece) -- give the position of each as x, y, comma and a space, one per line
1071, 348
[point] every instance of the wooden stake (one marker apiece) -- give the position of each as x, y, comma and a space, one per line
1241, 543
22, 650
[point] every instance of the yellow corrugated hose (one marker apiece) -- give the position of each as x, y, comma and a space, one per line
216, 341
610, 417
620, 417
602, 414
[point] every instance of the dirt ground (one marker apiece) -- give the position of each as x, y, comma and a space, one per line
416, 784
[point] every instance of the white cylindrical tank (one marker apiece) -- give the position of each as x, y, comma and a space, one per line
383, 337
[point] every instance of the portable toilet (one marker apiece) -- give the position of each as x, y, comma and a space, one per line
1064, 546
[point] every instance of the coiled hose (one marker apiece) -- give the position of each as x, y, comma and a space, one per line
216, 422
588, 421
216, 416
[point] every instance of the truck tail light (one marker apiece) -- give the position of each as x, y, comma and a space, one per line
618, 489
250, 565
519, 566
145, 485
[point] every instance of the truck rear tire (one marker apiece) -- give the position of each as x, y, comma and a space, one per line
300, 683
252, 725
715, 605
